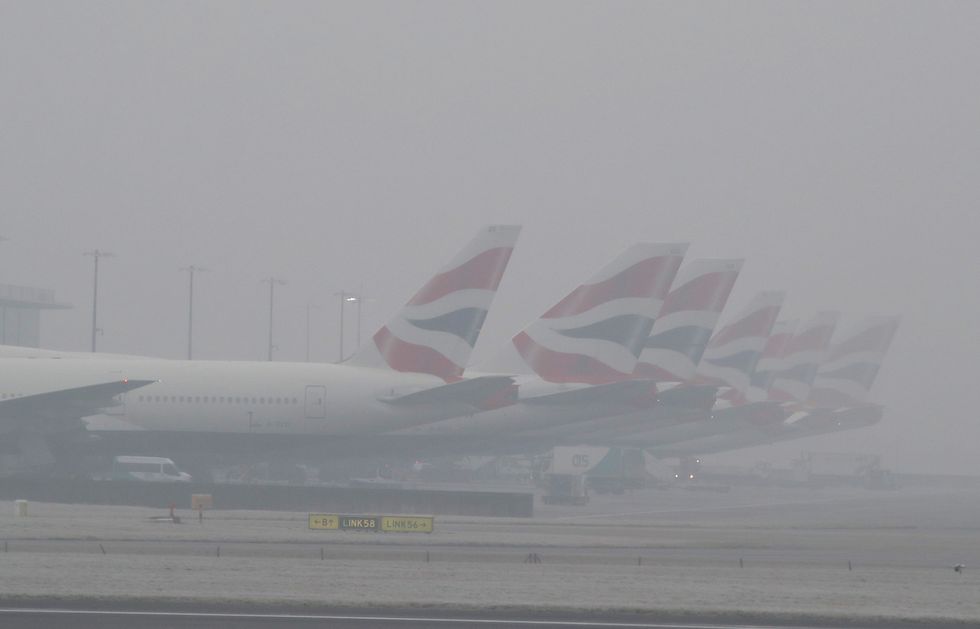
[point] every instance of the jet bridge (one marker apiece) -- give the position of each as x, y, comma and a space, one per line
20, 313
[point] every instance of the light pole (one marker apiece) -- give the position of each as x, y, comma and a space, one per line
360, 299
3, 318
96, 254
272, 295
345, 297
309, 307
190, 305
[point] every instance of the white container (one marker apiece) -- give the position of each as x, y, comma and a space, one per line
20, 508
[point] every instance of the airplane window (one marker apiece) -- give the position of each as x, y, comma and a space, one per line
182, 398
254, 401
261, 400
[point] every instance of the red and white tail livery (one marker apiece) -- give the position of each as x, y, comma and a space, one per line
802, 356
436, 330
846, 376
594, 335
735, 350
681, 332
771, 361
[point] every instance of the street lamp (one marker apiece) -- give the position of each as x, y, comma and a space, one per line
190, 304
272, 281
360, 301
345, 298
309, 307
3, 312
96, 254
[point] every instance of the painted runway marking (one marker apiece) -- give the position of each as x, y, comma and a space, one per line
558, 519
390, 619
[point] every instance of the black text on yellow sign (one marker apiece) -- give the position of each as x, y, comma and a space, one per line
406, 524
324, 522
384, 523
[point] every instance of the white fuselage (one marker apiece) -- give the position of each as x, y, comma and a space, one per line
238, 397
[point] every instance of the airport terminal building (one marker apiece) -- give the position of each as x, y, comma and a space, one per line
20, 313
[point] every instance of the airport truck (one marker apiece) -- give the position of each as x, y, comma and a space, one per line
843, 468
564, 489
573, 471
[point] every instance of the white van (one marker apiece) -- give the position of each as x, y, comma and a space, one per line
148, 469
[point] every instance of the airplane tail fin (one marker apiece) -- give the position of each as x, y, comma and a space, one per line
771, 359
685, 323
436, 330
802, 357
845, 377
594, 335
734, 351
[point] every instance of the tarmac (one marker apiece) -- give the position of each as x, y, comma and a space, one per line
832, 557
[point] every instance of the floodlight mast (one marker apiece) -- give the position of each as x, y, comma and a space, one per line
96, 254
272, 281
191, 270
346, 298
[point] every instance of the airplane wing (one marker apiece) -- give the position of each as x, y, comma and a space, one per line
64, 404
615, 392
476, 392
689, 396
757, 413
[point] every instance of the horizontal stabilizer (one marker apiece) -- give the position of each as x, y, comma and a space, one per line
75, 402
689, 396
481, 392
758, 413
614, 392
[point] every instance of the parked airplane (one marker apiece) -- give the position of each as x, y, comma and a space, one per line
411, 374
583, 350
728, 363
670, 355
803, 355
845, 377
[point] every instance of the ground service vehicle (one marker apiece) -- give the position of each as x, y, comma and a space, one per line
152, 469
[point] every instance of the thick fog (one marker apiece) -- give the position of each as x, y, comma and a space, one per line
357, 147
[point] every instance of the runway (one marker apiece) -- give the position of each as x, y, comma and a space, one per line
30, 618
650, 558
329, 552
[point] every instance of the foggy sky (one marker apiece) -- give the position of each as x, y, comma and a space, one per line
834, 145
